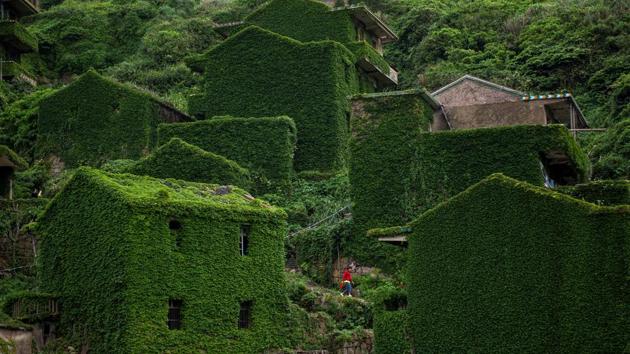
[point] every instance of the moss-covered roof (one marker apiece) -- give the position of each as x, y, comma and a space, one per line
13, 157
153, 191
417, 91
93, 75
499, 180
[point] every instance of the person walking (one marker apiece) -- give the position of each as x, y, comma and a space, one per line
346, 283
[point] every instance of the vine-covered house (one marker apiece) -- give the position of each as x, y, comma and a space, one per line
508, 266
143, 265
299, 58
15, 39
95, 119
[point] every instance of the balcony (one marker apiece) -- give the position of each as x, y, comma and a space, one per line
384, 77
13, 70
15, 35
22, 8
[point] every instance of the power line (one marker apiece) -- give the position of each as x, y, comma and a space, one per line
312, 226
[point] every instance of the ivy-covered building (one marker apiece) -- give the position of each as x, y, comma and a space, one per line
15, 39
403, 162
506, 266
143, 265
265, 145
302, 59
179, 160
95, 119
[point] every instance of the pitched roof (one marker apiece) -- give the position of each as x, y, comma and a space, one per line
480, 81
92, 74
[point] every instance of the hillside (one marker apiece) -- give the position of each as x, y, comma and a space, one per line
341, 183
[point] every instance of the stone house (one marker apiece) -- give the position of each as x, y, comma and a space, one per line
471, 102
149, 265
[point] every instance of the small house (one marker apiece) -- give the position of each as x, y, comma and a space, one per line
506, 266
470, 102
143, 265
95, 119
179, 160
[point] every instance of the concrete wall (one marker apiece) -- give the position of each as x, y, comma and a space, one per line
498, 114
20, 339
469, 92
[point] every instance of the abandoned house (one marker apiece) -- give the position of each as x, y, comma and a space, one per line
313, 57
173, 266
521, 269
179, 160
402, 163
95, 119
15, 39
471, 102
9, 163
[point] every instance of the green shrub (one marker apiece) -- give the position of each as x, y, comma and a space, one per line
510, 267
112, 252
14, 158
180, 160
265, 146
94, 120
259, 73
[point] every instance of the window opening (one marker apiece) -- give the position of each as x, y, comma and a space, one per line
244, 239
245, 315
174, 314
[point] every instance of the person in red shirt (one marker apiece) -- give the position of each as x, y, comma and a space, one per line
346, 283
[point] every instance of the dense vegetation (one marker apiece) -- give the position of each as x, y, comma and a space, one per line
538, 46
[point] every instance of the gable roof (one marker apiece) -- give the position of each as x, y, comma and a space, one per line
400, 234
482, 82
500, 181
179, 159
93, 75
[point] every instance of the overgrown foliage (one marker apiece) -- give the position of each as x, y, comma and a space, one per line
180, 160
94, 120
550, 275
144, 258
398, 169
265, 146
308, 82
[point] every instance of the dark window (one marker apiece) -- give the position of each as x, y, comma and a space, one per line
244, 239
175, 314
245, 315
175, 227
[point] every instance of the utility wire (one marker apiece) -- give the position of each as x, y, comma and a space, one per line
312, 226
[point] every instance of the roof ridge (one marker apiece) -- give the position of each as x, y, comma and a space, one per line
481, 81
